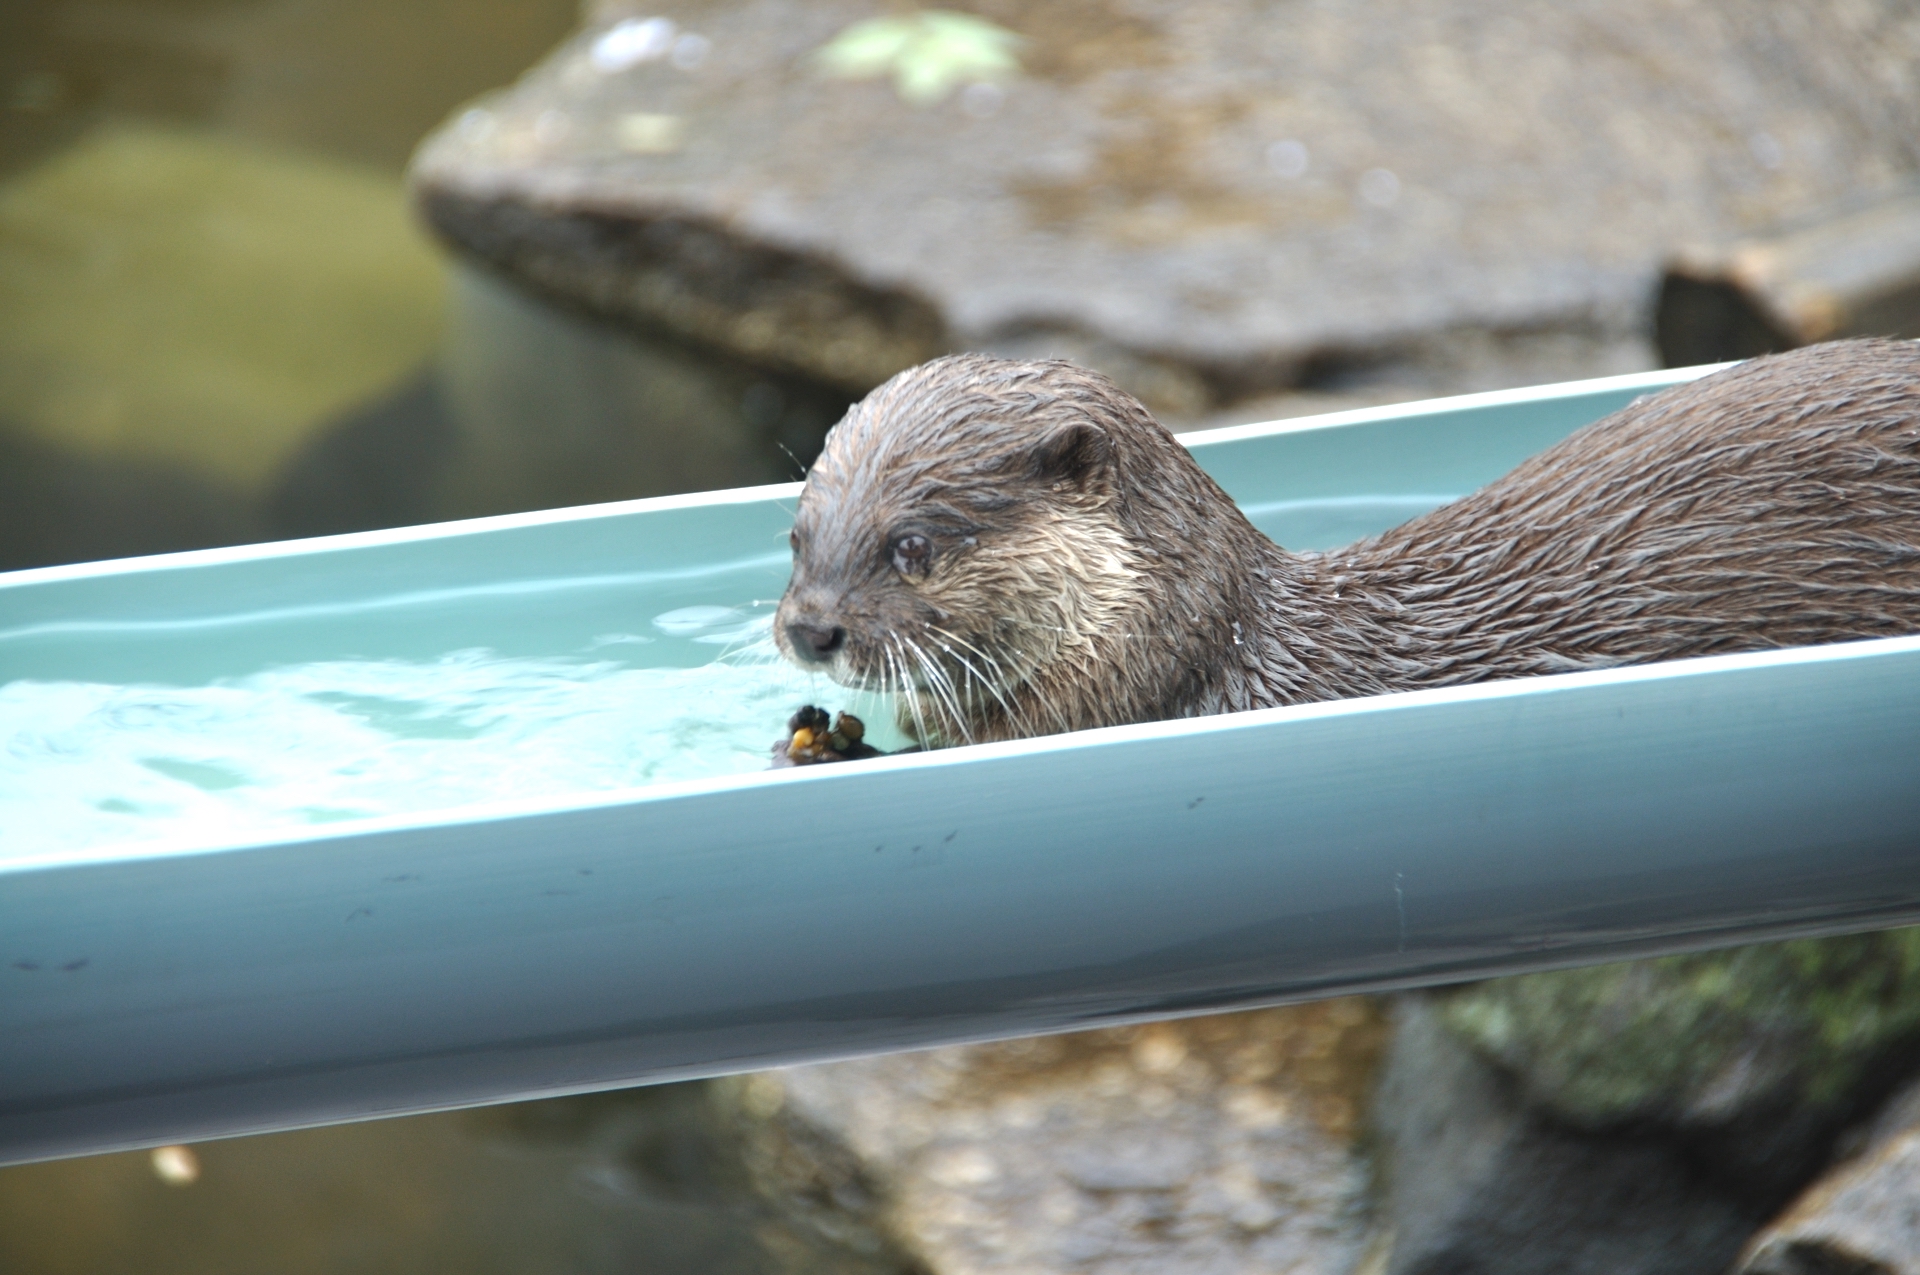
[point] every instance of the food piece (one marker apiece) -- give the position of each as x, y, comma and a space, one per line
812, 739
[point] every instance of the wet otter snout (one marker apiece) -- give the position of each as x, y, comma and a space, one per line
813, 641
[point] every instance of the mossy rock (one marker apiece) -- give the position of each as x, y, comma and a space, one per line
1702, 1041
175, 297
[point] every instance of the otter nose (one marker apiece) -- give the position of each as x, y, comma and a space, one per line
815, 643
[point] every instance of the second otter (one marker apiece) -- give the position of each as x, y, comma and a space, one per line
1019, 548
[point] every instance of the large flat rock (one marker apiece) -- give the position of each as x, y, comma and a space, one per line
1207, 197
174, 296
1207, 1146
1861, 1218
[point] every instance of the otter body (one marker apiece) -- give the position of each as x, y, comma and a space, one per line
1020, 548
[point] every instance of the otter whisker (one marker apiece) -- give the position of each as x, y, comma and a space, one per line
911, 691
997, 686
939, 686
762, 647
942, 686
887, 680
999, 673
800, 471
944, 699
926, 678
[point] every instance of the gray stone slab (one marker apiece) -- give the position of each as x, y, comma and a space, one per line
1208, 198
1208, 1146
1861, 1218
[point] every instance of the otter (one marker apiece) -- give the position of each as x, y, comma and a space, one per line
1019, 548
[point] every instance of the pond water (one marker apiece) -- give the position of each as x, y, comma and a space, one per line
221, 321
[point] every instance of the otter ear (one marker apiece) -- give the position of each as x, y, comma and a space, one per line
1077, 454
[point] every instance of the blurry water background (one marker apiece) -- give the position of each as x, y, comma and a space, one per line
219, 321
206, 258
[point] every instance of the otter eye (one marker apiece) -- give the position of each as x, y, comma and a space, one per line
911, 554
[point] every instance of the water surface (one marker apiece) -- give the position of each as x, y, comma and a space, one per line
87, 764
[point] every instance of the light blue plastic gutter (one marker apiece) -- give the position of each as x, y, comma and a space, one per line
481, 955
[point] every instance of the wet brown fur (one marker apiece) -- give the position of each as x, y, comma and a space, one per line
1086, 572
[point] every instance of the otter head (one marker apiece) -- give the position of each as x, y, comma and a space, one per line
965, 542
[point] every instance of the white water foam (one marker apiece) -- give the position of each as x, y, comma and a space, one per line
87, 764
